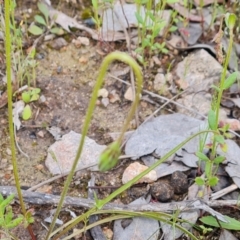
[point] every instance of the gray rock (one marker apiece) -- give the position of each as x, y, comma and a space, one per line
225, 234
199, 102
160, 135
172, 232
139, 228
200, 70
159, 82
62, 154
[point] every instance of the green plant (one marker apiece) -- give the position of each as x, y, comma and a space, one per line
23, 67
231, 224
45, 23
212, 160
96, 18
96, 7
29, 96
204, 230
150, 23
9, 12
7, 220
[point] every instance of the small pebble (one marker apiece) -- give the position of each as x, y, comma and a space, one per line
162, 191
105, 102
136, 168
41, 134
32, 135
179, 182
103, 92
129, 94
8, 151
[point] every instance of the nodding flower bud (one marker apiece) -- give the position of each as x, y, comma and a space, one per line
109, 157
230, 20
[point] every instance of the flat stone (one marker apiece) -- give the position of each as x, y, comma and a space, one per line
200, 70
159, 82
138, 228
160, 135
129, 94
62, 153
201, 103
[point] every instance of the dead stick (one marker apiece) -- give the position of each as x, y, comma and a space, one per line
43, 199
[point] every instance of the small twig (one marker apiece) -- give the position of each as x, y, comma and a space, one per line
161, 97
128, 41
18, 147
33, 188
223, 192
50, 199
165, 104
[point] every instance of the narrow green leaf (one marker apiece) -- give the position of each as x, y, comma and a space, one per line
216, 88
35, 30
6, 201
34, 97
230, 80
1, 198
39, 19
219, 159
14, 223
57, 31
146, 43
139, 18
219, 139
36, 90
231, 224
95, 4
8, 215
173, 29
208, 168
212, 120
164, 50
27, 113
202, 156
44, 10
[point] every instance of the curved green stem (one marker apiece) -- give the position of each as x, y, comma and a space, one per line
101, 203
220, 92
108, 59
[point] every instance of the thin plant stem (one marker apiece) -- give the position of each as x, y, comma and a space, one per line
221, 89
108, 59
10, 115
